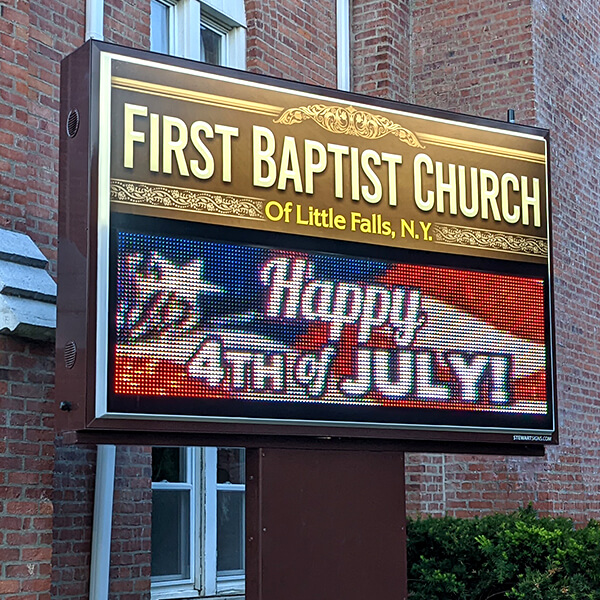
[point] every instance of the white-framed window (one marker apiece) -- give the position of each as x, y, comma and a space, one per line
213, 41
162, 26
198, 508
198, 494
174, 520
224, 535
211, 31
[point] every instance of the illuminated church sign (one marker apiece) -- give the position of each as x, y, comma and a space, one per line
277, 258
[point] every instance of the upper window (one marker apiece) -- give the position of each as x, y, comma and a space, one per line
161, 17
212, 31
213, 42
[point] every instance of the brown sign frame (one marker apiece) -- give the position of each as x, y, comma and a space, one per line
83, 280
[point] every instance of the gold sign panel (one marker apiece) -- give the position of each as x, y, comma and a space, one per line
203, 147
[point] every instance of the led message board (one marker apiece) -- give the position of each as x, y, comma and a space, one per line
271, 258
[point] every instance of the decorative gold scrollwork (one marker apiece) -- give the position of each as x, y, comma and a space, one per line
188, 200
489, 240
349, 120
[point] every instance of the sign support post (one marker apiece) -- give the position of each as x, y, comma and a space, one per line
325, 524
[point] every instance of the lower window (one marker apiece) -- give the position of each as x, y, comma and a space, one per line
198, 508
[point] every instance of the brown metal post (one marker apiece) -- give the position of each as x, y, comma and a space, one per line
325, 525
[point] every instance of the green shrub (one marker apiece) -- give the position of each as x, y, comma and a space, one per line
518, 556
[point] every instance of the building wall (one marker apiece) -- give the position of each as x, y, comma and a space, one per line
126, 23
33, 38
74, 474
381, 48
567, 76
26, 464
291, 39
540, 59
130, 547
474, 56
74, 478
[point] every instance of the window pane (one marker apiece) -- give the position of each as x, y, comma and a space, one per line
230, 531
168, 464
231, 465
211, 43
159, 27
171, 534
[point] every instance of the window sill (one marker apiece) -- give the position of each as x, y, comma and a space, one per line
188, 593
174, 593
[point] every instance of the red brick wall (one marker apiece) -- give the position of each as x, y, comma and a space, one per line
473, 56
381, 51
74, 476
33, 37
466, 486
26, 461
74, 473
125, 23
294, 40
567, 79
482, 58
14, 25
131, 532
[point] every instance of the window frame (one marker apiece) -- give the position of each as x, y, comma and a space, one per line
344, 44
161, 587
170, 5
227, 18
204, 581
220, 30
213, 583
